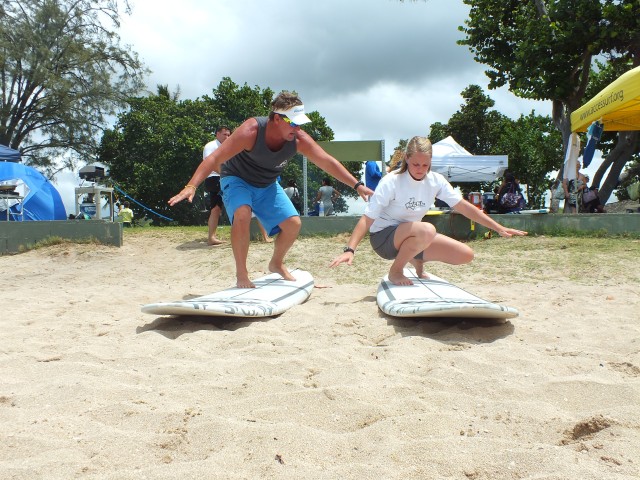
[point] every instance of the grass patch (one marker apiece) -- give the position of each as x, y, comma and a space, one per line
532, 258
600, 233
548, 256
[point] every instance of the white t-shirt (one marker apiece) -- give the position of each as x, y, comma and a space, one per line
208, 149
399, 199
290, 191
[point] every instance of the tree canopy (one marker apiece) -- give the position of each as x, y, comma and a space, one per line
547, 50
534, 147
154, 148
531, 142
62, 73
474, 126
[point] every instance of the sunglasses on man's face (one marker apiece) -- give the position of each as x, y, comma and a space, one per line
288, 120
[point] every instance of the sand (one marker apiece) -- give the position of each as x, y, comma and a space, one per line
332, 389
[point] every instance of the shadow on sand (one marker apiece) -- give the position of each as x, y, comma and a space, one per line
203, 245
176, 325
475, 331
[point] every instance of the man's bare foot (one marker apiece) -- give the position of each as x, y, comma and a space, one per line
244, 282
282, 270
215, 241
268, 239
399, 279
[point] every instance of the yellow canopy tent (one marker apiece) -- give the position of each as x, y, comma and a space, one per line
617, 106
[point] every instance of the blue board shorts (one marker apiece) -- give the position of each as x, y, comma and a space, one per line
270, 204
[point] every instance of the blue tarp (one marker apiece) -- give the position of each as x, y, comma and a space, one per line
9, 154
41, 199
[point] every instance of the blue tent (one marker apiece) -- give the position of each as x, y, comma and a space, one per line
9, 154
41, 199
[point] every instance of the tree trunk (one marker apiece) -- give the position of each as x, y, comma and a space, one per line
626, 146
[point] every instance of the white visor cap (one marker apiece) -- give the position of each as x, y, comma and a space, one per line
295, 114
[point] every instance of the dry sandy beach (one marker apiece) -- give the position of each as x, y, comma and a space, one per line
92, 388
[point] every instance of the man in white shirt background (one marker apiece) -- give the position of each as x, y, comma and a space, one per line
212, 186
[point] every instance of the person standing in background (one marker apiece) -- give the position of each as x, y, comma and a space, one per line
589, 200
212, 186
557, 195
326, 196
573, 189
294, 195
126, 215
509, 197
372, 174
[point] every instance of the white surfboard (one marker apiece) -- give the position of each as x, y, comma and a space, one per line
272, 296
435, 297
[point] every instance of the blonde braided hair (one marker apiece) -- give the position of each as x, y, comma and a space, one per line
415, 145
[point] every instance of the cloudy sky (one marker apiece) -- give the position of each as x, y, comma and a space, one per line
374, 69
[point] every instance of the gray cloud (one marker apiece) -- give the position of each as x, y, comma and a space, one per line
343, 46
373, 68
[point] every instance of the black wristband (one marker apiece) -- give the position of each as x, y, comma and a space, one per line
355, 187
349, 249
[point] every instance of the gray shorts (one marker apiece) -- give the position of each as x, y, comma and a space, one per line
382, 244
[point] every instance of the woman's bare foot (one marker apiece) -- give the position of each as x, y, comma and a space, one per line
282, 270
268, 239
420, 273
399, 279
215, 241
419, 266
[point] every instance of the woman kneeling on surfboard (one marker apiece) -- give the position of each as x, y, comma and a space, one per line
393, 216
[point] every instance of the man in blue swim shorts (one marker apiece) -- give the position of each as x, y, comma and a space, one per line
249, 162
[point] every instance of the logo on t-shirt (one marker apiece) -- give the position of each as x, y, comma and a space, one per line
413, 205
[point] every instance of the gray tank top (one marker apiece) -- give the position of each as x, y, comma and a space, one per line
259, 167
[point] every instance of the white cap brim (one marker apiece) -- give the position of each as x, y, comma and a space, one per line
295, 114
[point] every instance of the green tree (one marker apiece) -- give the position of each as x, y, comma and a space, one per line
535, 148
630, 176
471, 126
540, 50
63, 72
531, 142
545, 50
236, 102
476, 127
437, 131
154, 147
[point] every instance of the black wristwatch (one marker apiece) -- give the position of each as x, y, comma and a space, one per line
349, 249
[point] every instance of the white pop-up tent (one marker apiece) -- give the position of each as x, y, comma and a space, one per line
458, 165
